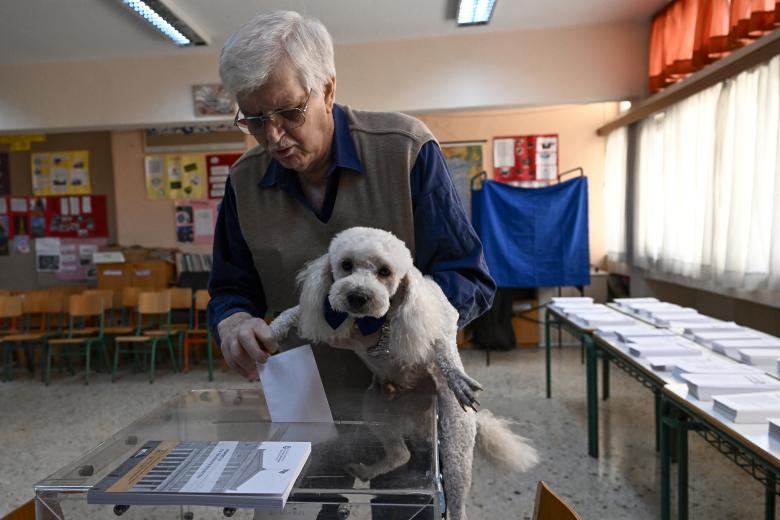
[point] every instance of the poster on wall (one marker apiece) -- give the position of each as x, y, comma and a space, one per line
218, 170
464, 161
60, 173
176, 176
5, 229
47, 255
526, 160
76, 260
195, 221
5, 174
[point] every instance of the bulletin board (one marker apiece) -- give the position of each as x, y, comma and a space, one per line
525, 158
219, 167
82, 216
175, 176
60, 173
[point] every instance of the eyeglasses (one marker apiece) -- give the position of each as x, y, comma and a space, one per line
286, 118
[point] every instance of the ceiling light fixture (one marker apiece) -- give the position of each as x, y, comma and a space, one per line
475, 12
159, 16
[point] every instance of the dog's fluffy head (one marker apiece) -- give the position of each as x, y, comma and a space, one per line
367, 266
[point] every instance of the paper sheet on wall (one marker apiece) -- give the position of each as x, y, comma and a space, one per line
47, 255
503, 153
293, 388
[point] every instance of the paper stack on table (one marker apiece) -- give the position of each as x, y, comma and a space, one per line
593, 320
669, 348
706, 338
711, 326
764, 358
731, 347
711, 365
624, 302
774, 429
629, 334
704, 386
748, 408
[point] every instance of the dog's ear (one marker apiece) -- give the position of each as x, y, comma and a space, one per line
414, 324
314, 281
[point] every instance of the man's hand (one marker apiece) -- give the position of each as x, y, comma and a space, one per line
246, 340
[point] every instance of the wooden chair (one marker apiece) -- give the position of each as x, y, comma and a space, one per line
128, 303
24, 512
110, 304
181, 314
82, 309
153, 307
11, 313
36, 327
200, 333
549, 506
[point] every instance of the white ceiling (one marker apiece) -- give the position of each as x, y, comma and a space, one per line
35, 31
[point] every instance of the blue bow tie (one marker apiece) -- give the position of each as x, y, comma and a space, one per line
367, 325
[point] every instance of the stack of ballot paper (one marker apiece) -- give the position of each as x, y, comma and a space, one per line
680, 321
707, 337
593, 320
730, 347
774, 430
711, 326
664, 363
571, 299
625, 302
764, 358
748, 408
669, 348
668, 312
631, 333
711, 365
704, 386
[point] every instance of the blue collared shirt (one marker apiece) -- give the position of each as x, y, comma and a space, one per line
446, 246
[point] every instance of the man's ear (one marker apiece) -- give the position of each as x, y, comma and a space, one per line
329, 92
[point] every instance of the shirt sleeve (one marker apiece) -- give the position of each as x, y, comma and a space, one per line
446, 246
234, 284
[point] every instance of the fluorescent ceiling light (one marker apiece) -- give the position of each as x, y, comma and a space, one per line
475, 12
156, 14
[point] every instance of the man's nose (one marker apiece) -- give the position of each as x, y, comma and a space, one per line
273, 130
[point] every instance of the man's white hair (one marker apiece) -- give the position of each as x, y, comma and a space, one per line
251, 53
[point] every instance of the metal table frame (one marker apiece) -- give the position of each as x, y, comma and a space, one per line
682, 417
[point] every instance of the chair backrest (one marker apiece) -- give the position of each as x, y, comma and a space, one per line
105, 295
33, 302
550, 506
202, 298
10, 306
154, 302
181, 297
85, 305
5, 292
130, 296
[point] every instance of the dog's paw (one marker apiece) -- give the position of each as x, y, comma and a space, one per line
465, 389
360, 471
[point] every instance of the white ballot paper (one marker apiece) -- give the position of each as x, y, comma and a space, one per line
293, 388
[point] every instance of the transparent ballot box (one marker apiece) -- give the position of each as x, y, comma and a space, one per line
364, 421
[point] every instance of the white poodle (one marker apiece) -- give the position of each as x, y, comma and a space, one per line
368, 274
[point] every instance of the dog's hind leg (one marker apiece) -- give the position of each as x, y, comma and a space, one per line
457, 433
448, 360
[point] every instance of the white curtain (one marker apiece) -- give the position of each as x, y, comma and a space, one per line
707, 199
615, 194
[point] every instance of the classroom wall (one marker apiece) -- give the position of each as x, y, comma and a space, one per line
17, 271
578, 145
505, 69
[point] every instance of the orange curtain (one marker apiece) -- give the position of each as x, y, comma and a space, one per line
762, 17
688, 34
739, 22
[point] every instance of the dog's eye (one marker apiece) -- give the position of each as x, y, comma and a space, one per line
384, 271
346, 265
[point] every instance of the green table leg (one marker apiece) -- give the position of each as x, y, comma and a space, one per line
770, 496
682, 470
665, 463
657, 396
605, 376
547, 359
592, 393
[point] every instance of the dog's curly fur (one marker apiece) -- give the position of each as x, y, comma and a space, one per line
369, 272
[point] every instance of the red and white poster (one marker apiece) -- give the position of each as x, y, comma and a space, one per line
525, 158
218, 167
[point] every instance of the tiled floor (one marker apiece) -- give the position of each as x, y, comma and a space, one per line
43, 428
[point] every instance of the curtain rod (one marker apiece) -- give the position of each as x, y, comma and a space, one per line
756, 53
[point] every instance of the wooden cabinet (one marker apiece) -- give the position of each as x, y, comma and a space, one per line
147, 274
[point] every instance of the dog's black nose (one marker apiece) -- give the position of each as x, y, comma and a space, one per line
356, 300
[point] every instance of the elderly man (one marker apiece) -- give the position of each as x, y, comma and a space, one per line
319, 168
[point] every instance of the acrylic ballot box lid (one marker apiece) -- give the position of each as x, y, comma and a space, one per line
241, 415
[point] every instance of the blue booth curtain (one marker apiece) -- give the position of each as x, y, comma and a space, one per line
534, 237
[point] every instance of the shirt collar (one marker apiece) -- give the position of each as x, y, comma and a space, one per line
342, 151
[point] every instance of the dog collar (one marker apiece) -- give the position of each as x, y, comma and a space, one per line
367, 324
